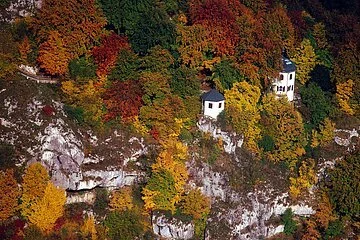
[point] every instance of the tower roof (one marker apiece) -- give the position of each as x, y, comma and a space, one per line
213, 96
288, 66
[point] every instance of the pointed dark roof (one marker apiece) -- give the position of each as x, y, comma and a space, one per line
213, 95
288, 66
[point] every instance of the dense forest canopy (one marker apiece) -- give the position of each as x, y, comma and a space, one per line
143, 65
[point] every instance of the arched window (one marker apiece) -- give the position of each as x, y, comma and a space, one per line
291, 76
281, 77
210, 105
220, 105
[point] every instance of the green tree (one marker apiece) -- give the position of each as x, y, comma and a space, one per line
227, 74
145, 22
289, 223
185, 83
344, 186
317, 102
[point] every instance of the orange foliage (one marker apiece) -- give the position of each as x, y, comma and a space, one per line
53, 56
24, 49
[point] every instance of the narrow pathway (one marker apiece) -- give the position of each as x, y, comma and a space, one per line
37, 78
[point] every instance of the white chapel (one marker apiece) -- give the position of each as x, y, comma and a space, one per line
284, 85
212, 103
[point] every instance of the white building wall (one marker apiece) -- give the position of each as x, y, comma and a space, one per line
215, 110
286, 86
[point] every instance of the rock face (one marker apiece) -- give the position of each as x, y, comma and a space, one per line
231, 140
245, 215
172, 229
76, 158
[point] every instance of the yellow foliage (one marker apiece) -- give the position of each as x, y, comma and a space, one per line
196, 204
325, 135
242, 111
305, 60
34, 183
86, 96
139, 126
148, 198
45, 211
284, 124
193, 42
121, 200
343, 93
306, 178
171, 159
88, 229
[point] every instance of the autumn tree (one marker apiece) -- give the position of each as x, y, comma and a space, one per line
196, 204
106, 54
34, 183
79, 23
219, 18
305, 60
169, 175
24, 49
243, 113
305, 179
10, 194
123, 99
325, 135
344, 91
310, 232
193, 43
121, 200
88, 229
53, 55
324, 211
284, 125
45, 211
86, 96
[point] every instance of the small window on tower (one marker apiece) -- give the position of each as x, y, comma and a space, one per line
220, 105
289, 88
292, 87
281, 77
210, 105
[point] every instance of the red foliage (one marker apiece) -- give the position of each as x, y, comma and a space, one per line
219, 18
12, 230
299, 23
155, 134
48, 110
106, 54
59, 223
123, 99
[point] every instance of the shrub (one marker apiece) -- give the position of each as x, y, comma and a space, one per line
123, 225
48, 110
76, 113
289, 224
101, 201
